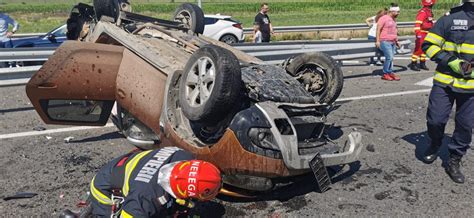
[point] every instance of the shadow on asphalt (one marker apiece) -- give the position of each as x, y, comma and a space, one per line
106, 136
208, 209
297, 186
397, 68
421, 142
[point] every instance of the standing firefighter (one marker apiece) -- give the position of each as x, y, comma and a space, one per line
423, 23
152, 184
451, 44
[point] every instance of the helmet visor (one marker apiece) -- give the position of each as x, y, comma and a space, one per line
164, 176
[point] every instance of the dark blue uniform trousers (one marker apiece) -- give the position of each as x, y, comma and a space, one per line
441, 102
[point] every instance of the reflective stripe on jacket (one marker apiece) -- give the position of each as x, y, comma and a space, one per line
452, 37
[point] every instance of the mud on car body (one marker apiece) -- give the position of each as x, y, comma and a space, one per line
256, 122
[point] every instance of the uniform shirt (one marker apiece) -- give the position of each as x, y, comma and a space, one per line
424, 21
452, 37
389, 30
5, 21
264, 22
140, 187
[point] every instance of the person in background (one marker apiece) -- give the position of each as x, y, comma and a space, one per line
372, 36
424, 22
387, 40
257, 34
5, 22
263, 21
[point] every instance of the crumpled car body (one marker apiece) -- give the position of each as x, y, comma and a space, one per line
274, 131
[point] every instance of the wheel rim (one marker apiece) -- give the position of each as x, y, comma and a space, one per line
200, 82
185, 18
229, 39
314, 78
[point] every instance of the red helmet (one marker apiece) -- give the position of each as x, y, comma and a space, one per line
428, 2
195, 179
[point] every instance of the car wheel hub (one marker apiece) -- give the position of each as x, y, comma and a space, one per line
229, 39
313, 78
185, 18
200, 82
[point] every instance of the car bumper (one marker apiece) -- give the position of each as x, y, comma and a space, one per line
349, 154
288, 145
242, 38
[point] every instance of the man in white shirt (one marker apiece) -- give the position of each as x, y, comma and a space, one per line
5, 21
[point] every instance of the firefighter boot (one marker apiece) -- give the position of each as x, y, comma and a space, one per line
68, 214
431, 154
413, 66
423, 66
453, 168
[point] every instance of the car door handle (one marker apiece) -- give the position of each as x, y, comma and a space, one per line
47, 86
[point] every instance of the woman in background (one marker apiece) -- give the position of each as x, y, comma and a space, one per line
372, 23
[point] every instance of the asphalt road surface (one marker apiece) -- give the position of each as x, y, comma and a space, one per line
389, 179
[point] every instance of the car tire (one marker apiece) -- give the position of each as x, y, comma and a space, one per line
229, 39
109, 8
320, 74
211, 85
191, 16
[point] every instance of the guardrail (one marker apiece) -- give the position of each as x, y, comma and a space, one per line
283, 29
340, 50
314, 28
21, 35
271, 53
16, 75
26, 54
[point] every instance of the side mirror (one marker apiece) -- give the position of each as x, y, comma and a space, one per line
52, 38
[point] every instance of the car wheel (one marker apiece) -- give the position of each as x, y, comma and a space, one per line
191, 16
229, 39
210, 85
319, 73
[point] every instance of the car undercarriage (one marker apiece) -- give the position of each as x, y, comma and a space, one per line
254, 121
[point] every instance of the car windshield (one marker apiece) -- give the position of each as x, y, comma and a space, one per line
58, 31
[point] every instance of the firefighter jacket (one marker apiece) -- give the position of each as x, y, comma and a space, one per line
135, 177
424, 21
452, 37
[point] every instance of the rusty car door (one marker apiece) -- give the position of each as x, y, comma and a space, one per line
77, 85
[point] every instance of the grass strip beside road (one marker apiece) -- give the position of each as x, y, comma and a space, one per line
44, 15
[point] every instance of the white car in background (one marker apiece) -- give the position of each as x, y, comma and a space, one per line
223, 28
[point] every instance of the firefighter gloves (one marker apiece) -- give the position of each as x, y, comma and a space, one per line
462, 67
455, 65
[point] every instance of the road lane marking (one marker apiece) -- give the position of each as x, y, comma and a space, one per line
51, 131
426, 82
71, 129
383, 95
401, 58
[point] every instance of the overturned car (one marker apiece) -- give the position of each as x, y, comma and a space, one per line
174, 87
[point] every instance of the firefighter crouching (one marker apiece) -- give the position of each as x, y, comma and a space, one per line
424, 22
152, 184
450, 43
